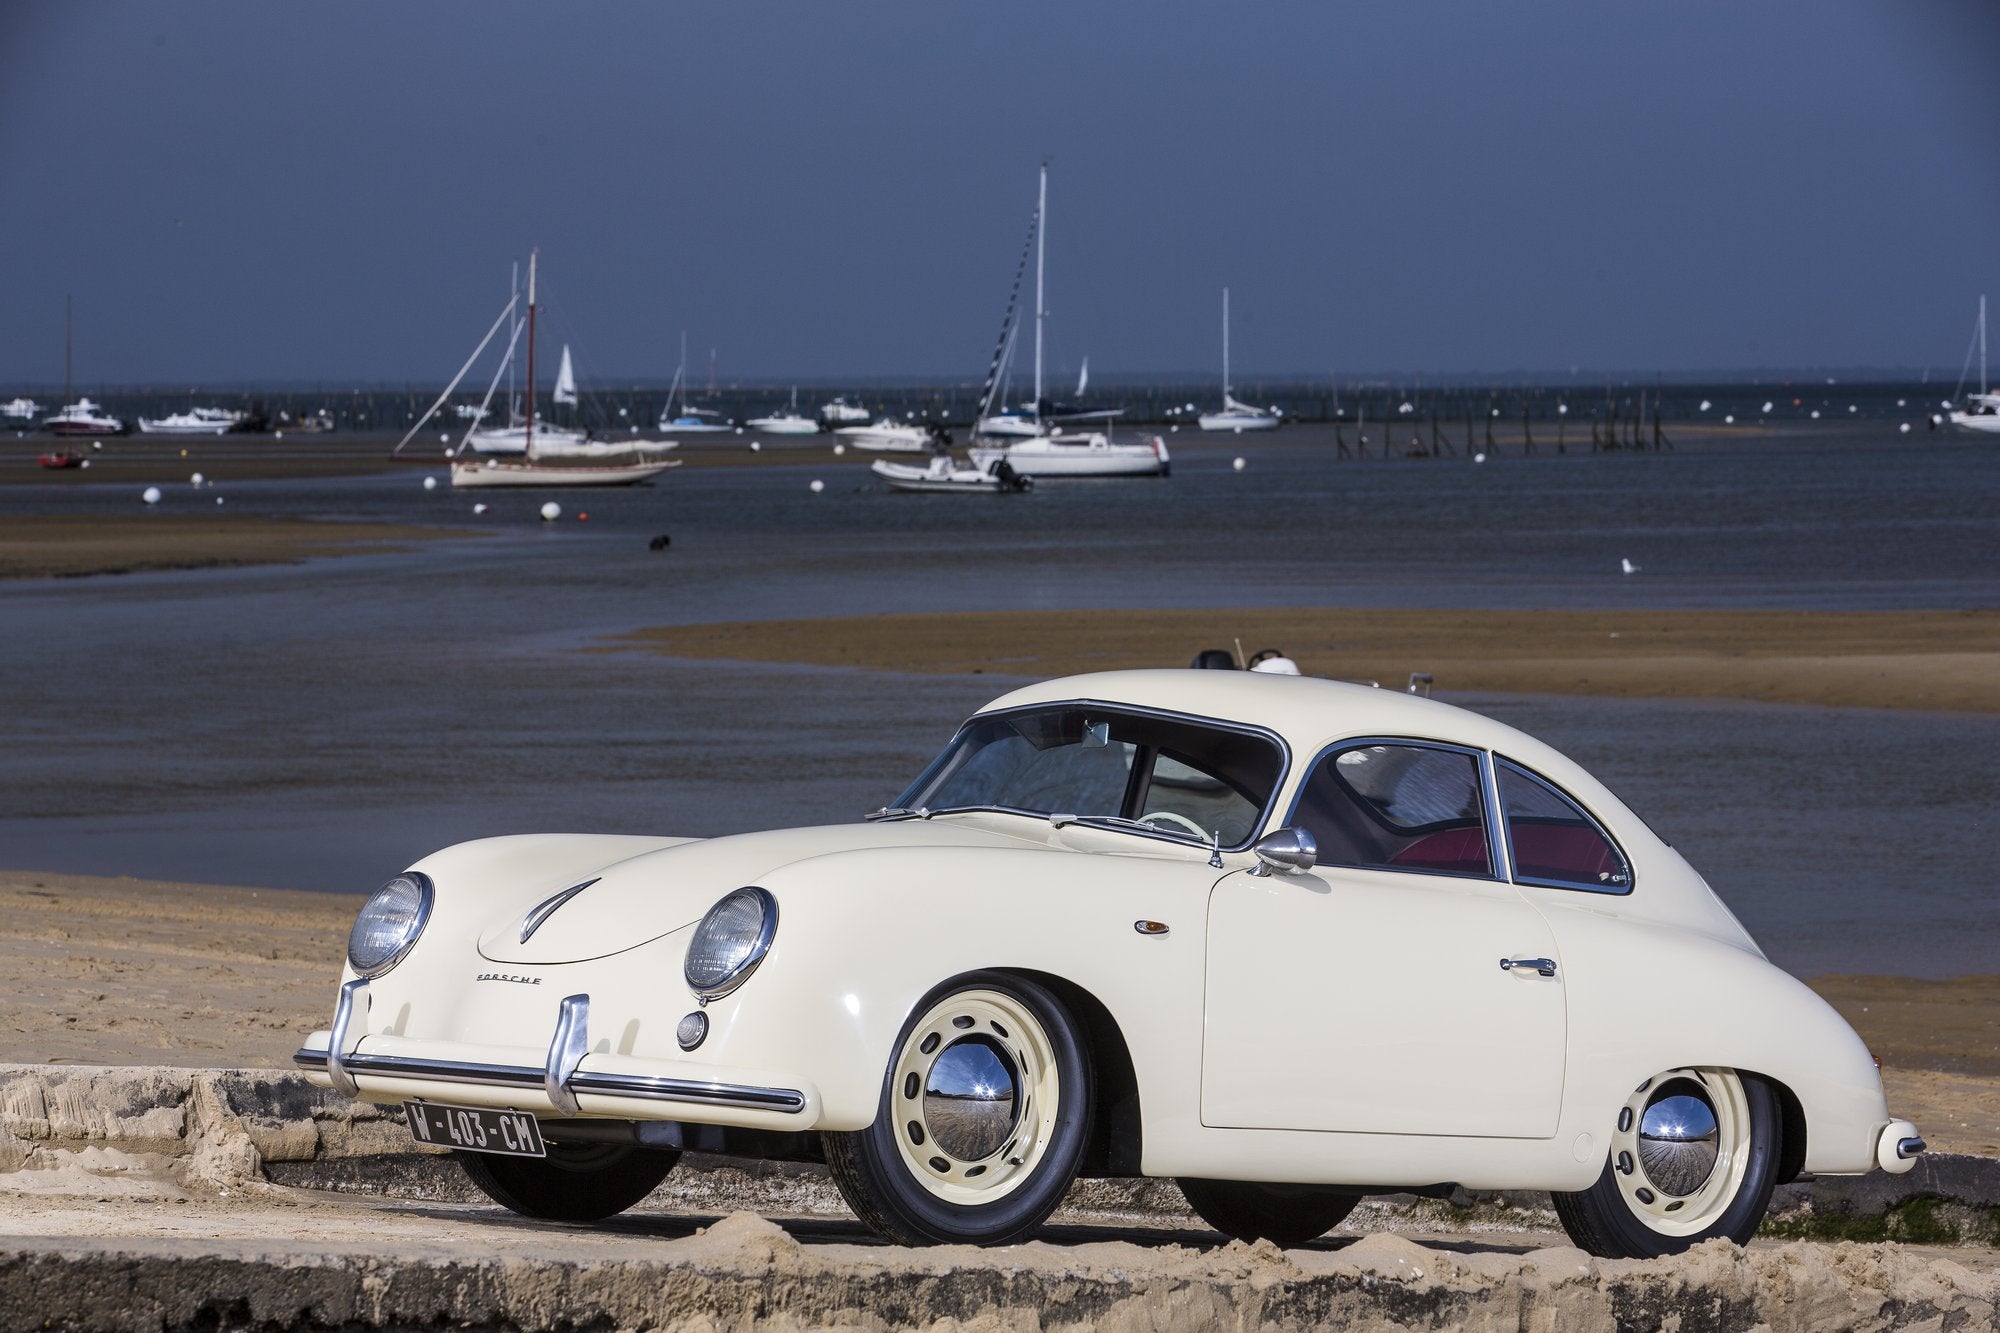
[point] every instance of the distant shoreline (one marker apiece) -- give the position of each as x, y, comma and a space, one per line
1934, 660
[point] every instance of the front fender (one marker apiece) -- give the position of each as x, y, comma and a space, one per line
863, 936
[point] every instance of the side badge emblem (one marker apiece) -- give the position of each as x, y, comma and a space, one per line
545, 909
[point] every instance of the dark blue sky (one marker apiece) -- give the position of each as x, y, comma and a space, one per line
242, 191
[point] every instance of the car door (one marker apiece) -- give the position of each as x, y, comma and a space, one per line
1369, 994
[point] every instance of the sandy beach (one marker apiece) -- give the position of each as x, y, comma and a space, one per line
50, 546
1943, 660
139, 972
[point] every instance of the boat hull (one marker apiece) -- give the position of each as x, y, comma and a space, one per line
1237, 422
1091, 457
1986, 423
147, 427
783, 425
495, 473
101, 426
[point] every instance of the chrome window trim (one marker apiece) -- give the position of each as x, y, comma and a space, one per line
1487, 796
758, 948
1631, 871
426, 897
647, 1086
1499, 837
1258, 826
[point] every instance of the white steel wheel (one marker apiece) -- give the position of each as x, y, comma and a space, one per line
1693, 1155
984, 1115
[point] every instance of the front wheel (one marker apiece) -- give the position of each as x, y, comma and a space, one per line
576, 1182
985, 1112
1694, 1155
1286, 1215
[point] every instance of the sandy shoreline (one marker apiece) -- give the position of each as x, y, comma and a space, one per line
1942, 660
141, 972
73, 546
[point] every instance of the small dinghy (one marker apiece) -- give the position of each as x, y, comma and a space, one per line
946, 474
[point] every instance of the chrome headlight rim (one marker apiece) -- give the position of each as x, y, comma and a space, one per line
767, 931
426, 896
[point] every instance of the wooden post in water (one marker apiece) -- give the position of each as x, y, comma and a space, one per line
1660, 440
1439, 444
1527, 432
1491, 447
1339, 441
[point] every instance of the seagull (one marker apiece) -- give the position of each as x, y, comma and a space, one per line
1625, 563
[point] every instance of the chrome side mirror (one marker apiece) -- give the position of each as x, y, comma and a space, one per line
1291, 850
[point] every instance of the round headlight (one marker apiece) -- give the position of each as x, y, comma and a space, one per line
389, 923
730, 941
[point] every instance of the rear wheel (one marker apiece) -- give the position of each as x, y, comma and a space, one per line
984, 1115
1286, 1215
576, 1182
1694, 1155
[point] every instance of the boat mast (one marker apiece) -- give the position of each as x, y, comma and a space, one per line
1041, 240
1982, 345
69, 318
528, 440
1225, 349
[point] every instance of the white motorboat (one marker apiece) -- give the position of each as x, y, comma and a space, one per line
83, 417
194, 421
1235, 416
1082, 454
1018, 423
1982, 410
840, 412
889, 437
20, 409
944, 475
788, 422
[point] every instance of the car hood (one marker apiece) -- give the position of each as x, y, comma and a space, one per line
631, 902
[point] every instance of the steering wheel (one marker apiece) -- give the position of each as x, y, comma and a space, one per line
1170, 817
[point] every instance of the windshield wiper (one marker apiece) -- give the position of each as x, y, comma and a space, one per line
898, 812
1119, 821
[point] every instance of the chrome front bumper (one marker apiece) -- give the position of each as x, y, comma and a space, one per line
560, 1081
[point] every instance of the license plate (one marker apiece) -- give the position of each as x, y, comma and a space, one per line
475, 1129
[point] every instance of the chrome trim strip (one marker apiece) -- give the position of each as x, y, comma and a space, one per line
336, 1042
545, 909
567, 1048
1499, 841
649, 1087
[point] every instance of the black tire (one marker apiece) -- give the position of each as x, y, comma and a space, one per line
914, 1185
576, 1182
1604, 1221
1285, 1215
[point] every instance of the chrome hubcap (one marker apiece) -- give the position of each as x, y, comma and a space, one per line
1678, 1140
1680, 1148
975, 1093
971, 1101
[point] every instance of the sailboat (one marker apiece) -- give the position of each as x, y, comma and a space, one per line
1049, 452
1982, 410
689, 419
534, 467
1235, 416
82, 417
785, 423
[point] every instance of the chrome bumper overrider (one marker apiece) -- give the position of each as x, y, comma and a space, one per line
559, 1078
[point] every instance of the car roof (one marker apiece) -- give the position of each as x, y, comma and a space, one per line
1306, 710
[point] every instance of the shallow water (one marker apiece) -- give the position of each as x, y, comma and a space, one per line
319, 726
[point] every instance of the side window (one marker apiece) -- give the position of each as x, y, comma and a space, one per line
1397, 807
1554, 842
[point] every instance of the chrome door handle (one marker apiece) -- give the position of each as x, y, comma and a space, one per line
1545, 966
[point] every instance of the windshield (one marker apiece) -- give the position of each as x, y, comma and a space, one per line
1180, 777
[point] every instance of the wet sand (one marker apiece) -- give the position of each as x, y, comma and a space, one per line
1939, 660
73, 546
139, 972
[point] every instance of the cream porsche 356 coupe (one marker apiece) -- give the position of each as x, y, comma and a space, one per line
1286, 940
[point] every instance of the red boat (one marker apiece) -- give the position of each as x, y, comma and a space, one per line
60, 458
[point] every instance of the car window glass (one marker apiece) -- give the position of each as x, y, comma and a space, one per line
1090, 760
1552, 840
1397, 807
1181, 789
